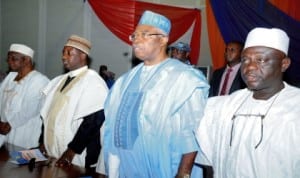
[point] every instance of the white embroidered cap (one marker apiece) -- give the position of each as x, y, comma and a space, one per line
23, 49
268, 37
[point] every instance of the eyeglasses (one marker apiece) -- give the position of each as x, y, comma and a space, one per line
143, 35
248, 115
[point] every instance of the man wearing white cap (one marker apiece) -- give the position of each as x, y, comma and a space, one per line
255, 132
73, 110
153, 110
21, 99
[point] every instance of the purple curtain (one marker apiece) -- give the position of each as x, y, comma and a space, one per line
236, 18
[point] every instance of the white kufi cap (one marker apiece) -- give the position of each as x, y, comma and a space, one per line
23, 49
268, 37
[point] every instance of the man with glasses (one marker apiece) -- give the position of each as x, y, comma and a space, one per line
255, 132
153, 110
227, 79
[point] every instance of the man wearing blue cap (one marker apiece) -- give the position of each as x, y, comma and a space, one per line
181, 51
153, 110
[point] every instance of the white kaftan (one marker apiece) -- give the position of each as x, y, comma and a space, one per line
20, 106
64, 110
244, 137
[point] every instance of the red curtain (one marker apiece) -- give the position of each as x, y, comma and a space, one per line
290, 7
216, 42
121, 17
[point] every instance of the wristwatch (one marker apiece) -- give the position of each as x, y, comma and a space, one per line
183, 175
186, 176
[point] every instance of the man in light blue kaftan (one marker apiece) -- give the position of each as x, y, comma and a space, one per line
152, 111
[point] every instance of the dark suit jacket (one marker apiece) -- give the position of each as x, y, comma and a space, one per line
215, 81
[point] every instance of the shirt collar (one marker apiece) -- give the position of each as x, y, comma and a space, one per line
76, 72
235, 67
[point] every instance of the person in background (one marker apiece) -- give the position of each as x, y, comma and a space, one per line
255, 132
107, 76
181, 51
228, 79
73, 109
21, 99
153, 110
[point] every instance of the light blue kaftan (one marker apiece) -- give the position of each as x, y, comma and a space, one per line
151, 123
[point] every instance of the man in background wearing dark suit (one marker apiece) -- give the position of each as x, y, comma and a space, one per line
228, 78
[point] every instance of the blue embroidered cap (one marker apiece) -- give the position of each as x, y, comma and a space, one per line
181, 46
156, 20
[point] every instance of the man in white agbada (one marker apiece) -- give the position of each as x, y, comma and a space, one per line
255, 132
73, 111
21, 99
153, 110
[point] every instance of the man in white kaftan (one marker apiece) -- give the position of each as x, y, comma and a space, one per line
278, 154
255, 132
71, 112
152, 111
21, 99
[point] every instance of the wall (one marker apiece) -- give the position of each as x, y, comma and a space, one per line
45, 25
19, 23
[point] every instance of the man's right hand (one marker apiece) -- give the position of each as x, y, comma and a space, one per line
4, 128
43, 149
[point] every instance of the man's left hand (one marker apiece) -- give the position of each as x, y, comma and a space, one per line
66, 159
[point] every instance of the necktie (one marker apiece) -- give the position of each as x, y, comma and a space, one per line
225, 83
69, 79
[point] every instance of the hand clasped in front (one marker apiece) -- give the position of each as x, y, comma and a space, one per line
66, 159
